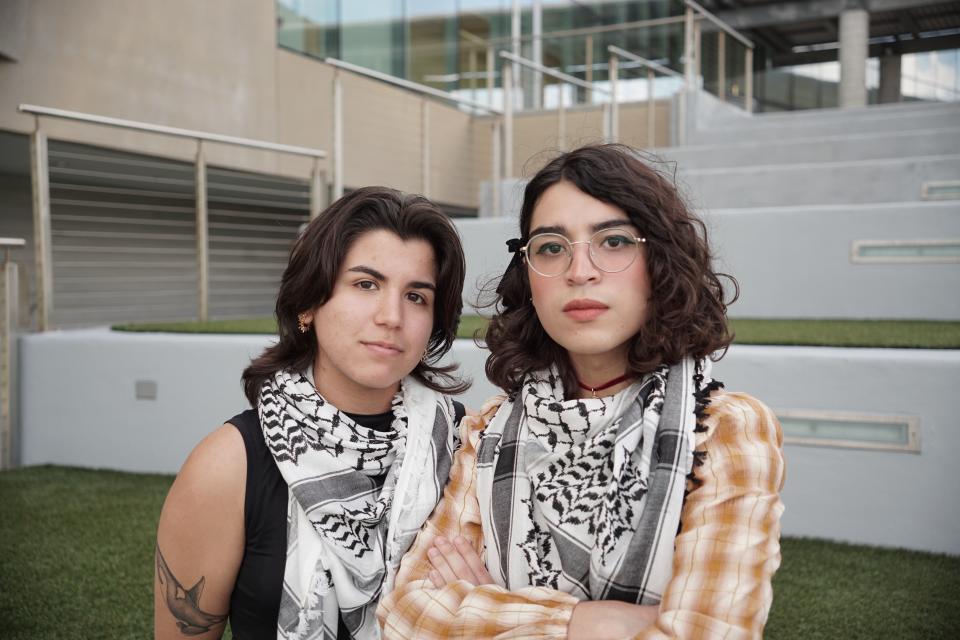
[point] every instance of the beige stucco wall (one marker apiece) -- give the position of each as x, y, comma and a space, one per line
197, 65
536, 134
214, 66
383, 131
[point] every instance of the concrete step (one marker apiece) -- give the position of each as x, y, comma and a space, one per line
798, 127
880, 111
798, 261
801, 262
836, 148
885, 180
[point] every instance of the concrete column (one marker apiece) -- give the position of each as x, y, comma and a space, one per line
854, 35
890, 78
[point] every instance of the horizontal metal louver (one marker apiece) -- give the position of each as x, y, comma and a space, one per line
253, 221
124, 243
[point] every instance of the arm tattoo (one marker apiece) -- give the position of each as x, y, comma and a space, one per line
184, 604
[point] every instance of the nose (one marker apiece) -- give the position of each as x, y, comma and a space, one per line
581, 269
389, 311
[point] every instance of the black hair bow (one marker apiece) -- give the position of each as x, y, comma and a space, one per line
514, 245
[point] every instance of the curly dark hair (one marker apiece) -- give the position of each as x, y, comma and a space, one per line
687, 309
315, 261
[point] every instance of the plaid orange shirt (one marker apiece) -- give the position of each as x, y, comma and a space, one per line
726, 552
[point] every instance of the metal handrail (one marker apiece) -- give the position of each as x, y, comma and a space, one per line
40, 170
586, 31
650, 64
409, 85
720, 23
6, 244
652, 69
559, 75
561, 117
170, 131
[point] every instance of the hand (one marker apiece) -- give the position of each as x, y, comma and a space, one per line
609, 619
456, 561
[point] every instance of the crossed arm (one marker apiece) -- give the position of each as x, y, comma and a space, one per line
726, 553
594, 620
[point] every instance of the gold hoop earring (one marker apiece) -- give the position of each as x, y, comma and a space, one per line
301, 323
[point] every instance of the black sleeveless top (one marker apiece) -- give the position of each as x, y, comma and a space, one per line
255, 601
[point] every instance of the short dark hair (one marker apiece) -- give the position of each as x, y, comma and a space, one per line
315, 261
687, 311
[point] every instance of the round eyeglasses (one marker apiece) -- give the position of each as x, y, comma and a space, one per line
610, 250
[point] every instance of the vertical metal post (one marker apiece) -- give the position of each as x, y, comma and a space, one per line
9, 318
651, 110
425, 147
203, 244
688, 68
689, 79
607, 122
588, 67
748, 74
681, 124
537, 27
722, 66
337, 136
561, 120
697, 53
43, 248
495, 172
515, 33
317, 195
473, 73
614, 100
491, 77
508, 120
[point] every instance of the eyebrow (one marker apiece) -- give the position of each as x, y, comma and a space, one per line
370, 271
600, 226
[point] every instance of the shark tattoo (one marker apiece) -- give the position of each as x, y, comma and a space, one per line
184, 604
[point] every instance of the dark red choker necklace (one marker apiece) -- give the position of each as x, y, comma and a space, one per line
605, 385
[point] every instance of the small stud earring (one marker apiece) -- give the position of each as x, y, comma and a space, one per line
301, 323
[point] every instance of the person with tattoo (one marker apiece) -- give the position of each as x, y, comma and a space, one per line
616, 491
291, 519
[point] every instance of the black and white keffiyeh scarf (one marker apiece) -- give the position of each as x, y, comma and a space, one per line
584, 495
346, 536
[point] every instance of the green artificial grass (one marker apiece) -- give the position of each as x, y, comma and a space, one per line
77, 545
246, 325
826, 590
76, 552
906, 334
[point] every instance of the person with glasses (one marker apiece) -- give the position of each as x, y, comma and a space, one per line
291, 519
615, 490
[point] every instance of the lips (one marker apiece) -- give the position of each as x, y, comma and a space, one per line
584, 309
383, 348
